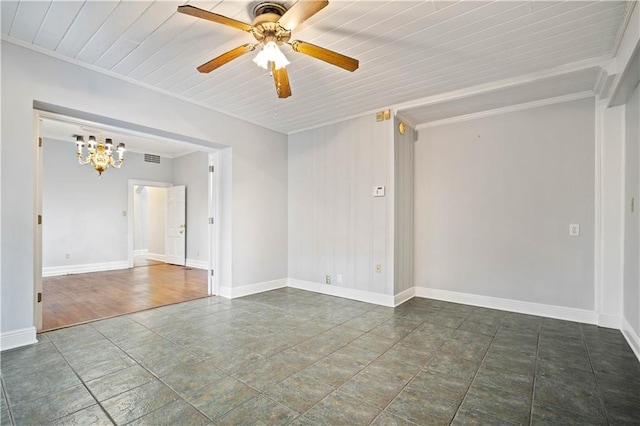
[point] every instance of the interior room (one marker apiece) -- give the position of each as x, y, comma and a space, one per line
414, 212
89, 243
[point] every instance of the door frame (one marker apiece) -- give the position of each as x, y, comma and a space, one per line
37, 235
130, 217
213, 275
214, 195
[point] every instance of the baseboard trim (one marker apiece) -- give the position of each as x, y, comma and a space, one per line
609, 321
347, 293
157, 257
530, 308
197, 264
403, 296
140, 252
246, 290
632, 338
17, 338
55, 271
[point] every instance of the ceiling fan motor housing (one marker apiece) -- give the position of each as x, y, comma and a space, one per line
265, 23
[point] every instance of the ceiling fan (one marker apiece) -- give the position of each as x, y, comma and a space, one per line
272, 27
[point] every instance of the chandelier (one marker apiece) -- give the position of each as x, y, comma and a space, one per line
100, 154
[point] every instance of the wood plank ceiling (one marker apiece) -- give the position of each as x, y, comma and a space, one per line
407, 50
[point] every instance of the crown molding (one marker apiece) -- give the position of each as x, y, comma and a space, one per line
511, 108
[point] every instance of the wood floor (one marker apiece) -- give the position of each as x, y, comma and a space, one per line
74, 299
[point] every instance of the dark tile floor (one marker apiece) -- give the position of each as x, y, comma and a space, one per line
295, 357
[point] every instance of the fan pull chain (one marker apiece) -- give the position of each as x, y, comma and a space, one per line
275, 110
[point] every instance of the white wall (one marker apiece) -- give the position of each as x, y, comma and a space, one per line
631, 288
610, 124
192, 171
83, 213
404, 208
259, 175
336, 226
156, 222
494, 198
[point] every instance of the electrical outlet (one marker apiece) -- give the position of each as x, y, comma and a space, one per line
339, 278
574, 230
327, 279
67, 256
378, 269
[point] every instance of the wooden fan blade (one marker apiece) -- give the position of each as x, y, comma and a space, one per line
210, 16
300, 12
226, 57
329, 56
281, 78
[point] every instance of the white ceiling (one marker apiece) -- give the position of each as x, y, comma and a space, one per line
408, 50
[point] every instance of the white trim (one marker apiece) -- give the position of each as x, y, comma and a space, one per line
530, 308
198, 264
403, 296
17, 338
246, 290
609, 321
347, 293
622, 29
140, 252
124, 131
157, 257
632, 338
601, 61
510, 108
598, 121
56, 271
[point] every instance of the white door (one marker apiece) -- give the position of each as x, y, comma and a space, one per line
176, 225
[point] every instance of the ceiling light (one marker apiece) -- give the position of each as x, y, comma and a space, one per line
100, 154
271, 53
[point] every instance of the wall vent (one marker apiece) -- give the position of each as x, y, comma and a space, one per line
152, 158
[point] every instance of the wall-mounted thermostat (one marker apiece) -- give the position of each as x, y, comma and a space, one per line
378, 191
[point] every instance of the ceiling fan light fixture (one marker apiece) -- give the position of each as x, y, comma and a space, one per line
271, 53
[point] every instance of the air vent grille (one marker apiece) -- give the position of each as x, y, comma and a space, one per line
152, 158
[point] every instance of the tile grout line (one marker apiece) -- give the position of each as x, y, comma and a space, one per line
6, 398
146, 369
437, 351
362, 369
83, 384
535, 371
595, 377
476, 373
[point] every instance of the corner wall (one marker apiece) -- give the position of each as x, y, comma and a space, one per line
404, 146
494, 199
336, 226
631, 286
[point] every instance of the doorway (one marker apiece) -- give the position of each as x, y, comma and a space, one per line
147, 245
189, 274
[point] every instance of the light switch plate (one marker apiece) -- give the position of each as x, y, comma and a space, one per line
378, 191
574, 230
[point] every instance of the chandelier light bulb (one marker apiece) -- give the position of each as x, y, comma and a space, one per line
100, 154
